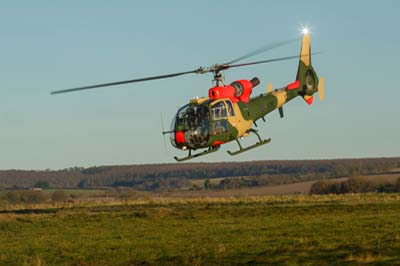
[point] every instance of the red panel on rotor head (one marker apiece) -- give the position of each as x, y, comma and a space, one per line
179, 137
229, 92
293, 85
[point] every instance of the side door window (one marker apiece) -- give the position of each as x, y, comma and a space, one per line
219, 111
231, 112
220, 126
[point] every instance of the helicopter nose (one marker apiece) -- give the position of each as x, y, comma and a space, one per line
179, 137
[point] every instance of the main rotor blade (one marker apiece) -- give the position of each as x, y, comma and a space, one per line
270, 60
124, 82
264, 49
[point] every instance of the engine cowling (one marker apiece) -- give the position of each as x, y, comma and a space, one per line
237, 91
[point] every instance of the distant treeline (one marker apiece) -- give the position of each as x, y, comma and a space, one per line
180, 176
30, 196
59, 195
354, 185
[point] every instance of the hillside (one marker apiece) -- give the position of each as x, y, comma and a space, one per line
159, 177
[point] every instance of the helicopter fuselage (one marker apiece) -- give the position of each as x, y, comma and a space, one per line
225, 116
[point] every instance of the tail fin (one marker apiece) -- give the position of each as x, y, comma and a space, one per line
306, 74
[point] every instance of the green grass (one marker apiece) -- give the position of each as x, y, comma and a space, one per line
273, 230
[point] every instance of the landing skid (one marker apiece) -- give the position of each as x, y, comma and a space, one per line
259, 143
190, 156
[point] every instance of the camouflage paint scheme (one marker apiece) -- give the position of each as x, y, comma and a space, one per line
247, 113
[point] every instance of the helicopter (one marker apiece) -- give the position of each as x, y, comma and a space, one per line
229, 113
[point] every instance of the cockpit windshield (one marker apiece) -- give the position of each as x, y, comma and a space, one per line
193, 116
194, 121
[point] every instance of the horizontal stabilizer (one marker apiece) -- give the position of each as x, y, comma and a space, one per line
321, 92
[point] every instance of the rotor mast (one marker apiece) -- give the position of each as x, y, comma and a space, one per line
216, 70
218, 78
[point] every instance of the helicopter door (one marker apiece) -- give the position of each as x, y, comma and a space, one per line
219, 115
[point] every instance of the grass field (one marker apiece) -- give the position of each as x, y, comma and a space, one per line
268, 230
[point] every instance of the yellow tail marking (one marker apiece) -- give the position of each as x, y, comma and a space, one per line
305, 49
281, 96
321, 84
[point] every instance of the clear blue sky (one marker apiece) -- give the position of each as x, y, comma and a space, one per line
46, 45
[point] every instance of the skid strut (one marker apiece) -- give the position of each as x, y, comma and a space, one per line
190, 156
259, 143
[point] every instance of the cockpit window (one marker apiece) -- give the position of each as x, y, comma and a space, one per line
230, 108
182, 111
219, 111
194, 121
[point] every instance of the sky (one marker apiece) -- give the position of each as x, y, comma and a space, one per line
51, 45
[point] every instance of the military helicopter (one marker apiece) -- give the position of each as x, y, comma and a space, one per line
228, 113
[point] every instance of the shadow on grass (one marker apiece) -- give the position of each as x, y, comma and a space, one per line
30, 211
345, 255
342, 255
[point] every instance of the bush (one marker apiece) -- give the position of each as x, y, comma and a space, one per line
207, 184
26, 196
240, 182
59, 195
354, 185
327, 187
358, 185
42, 184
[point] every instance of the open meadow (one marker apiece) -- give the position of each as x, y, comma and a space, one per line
353, 229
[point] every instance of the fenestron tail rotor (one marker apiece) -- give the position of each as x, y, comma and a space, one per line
307, 78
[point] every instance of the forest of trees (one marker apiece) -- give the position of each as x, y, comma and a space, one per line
354, 185
175, 176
